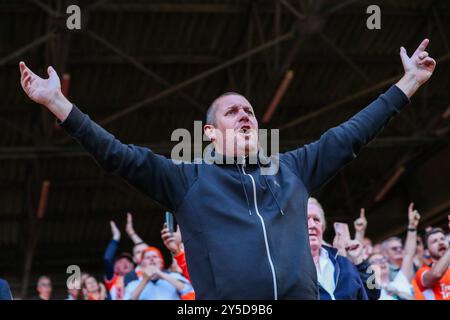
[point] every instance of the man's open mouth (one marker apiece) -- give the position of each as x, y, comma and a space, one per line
245, 129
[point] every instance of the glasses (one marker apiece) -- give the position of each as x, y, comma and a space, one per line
396, 248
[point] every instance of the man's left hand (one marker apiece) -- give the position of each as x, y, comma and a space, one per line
420, 64
418, 69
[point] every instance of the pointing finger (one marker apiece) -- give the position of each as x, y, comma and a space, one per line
422, 46
50, 70
22, 67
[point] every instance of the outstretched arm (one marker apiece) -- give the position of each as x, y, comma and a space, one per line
438, 270
319, 161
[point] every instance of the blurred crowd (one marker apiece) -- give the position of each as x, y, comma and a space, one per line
413, 268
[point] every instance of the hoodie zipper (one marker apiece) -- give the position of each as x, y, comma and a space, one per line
269, 257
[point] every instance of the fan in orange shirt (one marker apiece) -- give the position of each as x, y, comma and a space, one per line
173, 242
434, 281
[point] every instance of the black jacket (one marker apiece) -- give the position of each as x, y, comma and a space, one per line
245, 234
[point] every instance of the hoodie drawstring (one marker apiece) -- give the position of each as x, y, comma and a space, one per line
246, 195
245, 191
273, 195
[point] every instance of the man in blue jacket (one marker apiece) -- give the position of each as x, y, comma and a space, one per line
340, 278
245, 233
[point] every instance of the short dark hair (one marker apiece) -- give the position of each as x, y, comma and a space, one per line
430, 233
211, 112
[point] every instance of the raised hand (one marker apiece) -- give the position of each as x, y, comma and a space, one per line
360, 224
172, 241
419, 64
355, 251
115, 231
45, 91
42, 91
418, 69
151, 273
339, 243
129, 227
413, 217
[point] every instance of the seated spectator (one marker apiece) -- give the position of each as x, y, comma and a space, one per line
390, 290
93, 290
5, 291
400, 287
338, 277
116, 269
392, 249
157, 284
434, 281
44, 288
377, 249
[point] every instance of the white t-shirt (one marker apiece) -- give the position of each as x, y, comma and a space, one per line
325, 273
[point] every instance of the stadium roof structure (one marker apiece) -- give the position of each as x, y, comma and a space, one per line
144, 68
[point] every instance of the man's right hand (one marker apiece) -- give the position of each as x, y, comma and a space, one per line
413, 217
46, 92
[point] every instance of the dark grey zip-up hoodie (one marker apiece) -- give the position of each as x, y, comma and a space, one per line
245, 234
